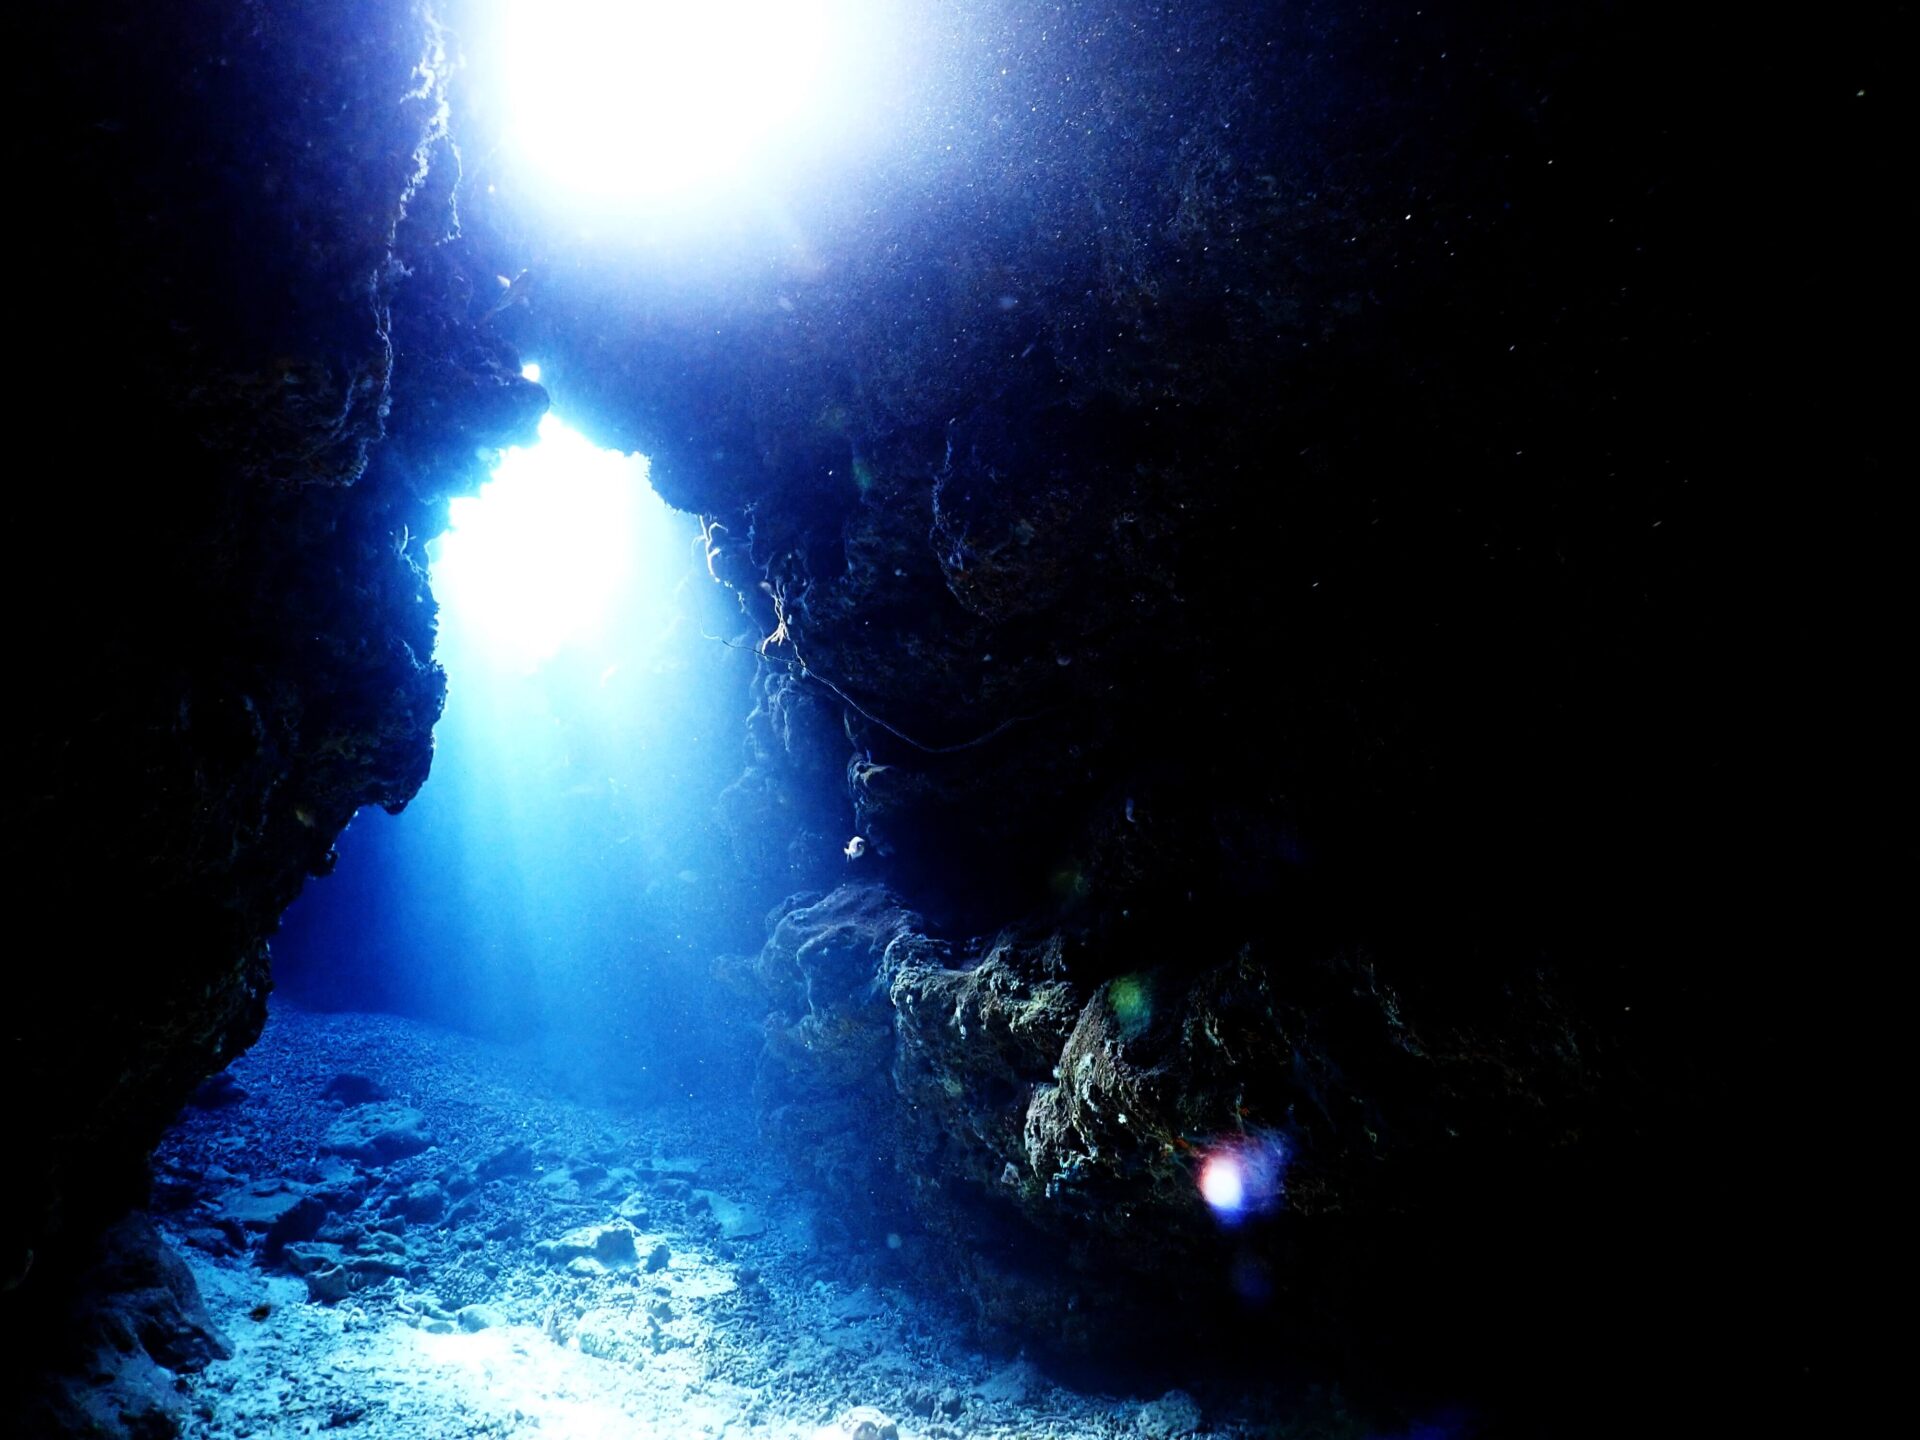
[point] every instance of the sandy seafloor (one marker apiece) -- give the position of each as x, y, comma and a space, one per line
424, 1305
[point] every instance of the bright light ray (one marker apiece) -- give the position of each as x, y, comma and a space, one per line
635, 100
534, 562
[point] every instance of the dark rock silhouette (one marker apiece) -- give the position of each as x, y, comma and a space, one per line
1261, 535
247, 246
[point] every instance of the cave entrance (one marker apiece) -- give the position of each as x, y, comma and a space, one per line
565, 549
561, 878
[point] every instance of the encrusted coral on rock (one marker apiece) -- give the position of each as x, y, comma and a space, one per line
828, 1032
1048, 1126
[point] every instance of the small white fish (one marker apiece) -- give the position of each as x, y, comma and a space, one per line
856, 847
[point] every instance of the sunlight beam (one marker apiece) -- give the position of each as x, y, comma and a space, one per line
535, 560
641, 100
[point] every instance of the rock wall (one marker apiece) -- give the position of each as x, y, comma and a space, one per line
117, 1346
1253, 519
1042, 1127
1262, 495
256, 361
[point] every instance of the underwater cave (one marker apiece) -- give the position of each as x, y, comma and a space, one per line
846, 720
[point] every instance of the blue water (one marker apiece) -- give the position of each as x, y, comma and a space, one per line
562, 874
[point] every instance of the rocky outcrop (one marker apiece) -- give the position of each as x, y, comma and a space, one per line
828, 1040
262, 364
1051, 1126
113, 1353
1273, 568
783, 814
1249, 516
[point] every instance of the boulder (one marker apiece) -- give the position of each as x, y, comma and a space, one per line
1173, 1415
422, 1203
378, 1134
301, 1221
607, 1246
1016, 1383
330, 1284
479, 1317
262, 1205
736, 1220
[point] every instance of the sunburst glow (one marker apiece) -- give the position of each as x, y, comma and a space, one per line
536, 559
641, 100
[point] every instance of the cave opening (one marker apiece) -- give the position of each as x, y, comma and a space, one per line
834, 720
561, 876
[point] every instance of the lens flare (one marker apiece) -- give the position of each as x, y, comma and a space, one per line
1223, 1184
1243, 1176
1131, 997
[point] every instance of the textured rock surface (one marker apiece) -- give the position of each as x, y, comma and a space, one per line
1263, 512
124, 1340
1258, 529
1048, 1123
257, 359
373, 1134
